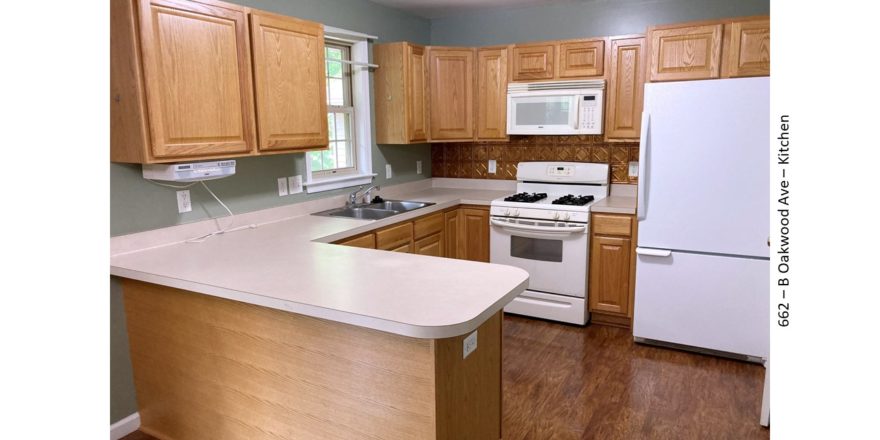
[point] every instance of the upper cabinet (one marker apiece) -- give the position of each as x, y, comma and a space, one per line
492, 93
289, 77
401, 83
749, 49
533, 62
625, 88
581, 58
182, 85
726, 48
451, 93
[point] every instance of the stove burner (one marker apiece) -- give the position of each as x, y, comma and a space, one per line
573, 200
526, 197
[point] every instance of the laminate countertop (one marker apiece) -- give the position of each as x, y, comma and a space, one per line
290, 265
615, 205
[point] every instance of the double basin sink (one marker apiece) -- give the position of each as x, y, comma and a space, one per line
374, 211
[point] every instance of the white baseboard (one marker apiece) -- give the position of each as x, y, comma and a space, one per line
125, 426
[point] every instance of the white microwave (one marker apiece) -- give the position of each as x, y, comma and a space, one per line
555, 107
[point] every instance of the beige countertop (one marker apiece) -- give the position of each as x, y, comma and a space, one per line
615, 205
290, 265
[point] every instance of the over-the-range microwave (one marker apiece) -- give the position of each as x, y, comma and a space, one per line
555, 107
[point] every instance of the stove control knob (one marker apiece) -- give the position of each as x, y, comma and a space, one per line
506, 212
555, 216
567, 217
516, 213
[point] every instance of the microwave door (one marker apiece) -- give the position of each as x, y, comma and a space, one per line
541, 114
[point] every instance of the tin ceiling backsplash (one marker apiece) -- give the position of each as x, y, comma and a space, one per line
470, 159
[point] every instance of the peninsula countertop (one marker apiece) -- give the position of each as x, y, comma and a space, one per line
290, 265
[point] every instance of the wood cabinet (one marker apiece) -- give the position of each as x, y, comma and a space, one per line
475, 233
401, 83
580, 58
533, 62
625, 93
451, 93
367, 241
290, 83
491, 100
612, 269
431, 245
428, 232
454, 245
398, 238
685, 52
748, 53
181, 82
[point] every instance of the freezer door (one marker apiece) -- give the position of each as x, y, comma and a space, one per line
704, 167
706, 301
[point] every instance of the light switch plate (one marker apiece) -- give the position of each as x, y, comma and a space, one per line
634, 169
492, 166
295, 184
418, 167
470, 344
282, 186
184, 203
387, 170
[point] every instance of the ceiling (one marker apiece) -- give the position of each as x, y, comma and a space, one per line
444, 8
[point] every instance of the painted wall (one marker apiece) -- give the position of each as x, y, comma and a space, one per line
137, 205
579, 19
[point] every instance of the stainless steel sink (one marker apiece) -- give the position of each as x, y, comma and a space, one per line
374, 211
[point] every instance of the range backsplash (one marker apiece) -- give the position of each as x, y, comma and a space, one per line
470, 159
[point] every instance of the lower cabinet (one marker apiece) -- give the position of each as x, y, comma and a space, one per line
612, 269
431, 245
397, 238
364, 241
451, 229
475, 233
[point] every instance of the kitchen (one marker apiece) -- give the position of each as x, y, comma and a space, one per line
399, 219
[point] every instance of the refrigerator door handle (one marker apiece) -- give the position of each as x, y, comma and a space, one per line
653, 252
641, 202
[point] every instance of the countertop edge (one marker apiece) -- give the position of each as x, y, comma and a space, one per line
399, 328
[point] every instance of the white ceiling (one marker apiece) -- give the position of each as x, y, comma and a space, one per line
445, 8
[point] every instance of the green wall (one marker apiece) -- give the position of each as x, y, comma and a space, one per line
579, 19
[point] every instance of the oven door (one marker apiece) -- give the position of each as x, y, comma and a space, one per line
554, 254
542, 113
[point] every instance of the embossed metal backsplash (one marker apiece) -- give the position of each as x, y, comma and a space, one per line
470, 160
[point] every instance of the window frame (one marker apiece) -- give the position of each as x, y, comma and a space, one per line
362, 138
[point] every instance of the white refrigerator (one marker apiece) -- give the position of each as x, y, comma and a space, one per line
702, 269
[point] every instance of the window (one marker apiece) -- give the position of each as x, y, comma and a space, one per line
347, 162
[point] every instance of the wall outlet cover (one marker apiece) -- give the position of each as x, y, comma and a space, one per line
184, 202
492, 169
282, 186
387, 170
295, 184
470, 344
633, 169
418, 167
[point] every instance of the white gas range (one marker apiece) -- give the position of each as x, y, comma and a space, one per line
544, 229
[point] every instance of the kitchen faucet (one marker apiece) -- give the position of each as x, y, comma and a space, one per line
353, 196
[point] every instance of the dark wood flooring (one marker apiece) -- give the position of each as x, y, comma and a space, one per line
594, 382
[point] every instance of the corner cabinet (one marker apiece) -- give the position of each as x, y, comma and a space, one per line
612, 269
625, 91
451, 93
401, 83
182, 85
492, 93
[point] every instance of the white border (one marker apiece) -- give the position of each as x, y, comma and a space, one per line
125, 426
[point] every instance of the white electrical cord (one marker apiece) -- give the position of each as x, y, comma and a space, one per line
219, 230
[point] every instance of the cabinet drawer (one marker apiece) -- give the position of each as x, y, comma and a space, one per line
364, 241
428, 225
612, 224
394, 237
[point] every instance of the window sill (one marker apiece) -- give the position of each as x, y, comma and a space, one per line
332, 183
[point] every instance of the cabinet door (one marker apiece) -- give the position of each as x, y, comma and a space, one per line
451, 73
290, 82
475, 234
452, 232
626, 89
610, 274
492, 93
581, 58
749, 53
684, 53
395, 237
416, 86
533, 62
197, 73
430, 245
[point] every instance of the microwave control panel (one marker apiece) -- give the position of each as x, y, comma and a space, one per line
590, 112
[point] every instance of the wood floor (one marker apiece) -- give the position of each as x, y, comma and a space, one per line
568, 382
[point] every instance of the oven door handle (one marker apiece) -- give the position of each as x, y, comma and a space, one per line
542, 229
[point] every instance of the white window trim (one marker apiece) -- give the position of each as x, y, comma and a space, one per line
360, 93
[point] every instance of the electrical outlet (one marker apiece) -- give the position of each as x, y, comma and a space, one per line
633, 169
295, 184
184, 203
470, 344
387, 170
418, 167
282, 186
492, 166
